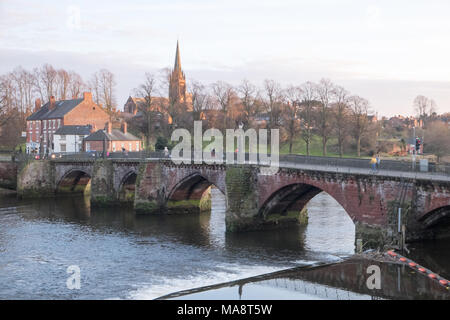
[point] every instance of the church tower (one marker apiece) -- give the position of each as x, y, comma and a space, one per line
177, 86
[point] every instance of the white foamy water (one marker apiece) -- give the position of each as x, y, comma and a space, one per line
234, 272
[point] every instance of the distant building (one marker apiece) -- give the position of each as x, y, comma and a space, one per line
70, 138
133, 104
112, 140
46, 119
177, 84
177, 95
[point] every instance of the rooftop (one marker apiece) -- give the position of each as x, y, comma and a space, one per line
62, 107
74, 130
115, 135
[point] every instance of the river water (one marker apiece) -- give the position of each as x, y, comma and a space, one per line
126, 256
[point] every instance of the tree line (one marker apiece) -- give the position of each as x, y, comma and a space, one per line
308, 110
21, 87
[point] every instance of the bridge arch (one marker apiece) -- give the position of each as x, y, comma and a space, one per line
437, 222
290, 199
74, 180
190, 194
127, 186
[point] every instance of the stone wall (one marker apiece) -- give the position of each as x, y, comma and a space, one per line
8, 175
36, 179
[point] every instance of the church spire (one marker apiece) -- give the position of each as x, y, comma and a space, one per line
177, 59
177, 87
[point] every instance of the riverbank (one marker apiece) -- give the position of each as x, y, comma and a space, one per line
346, 280
7, 192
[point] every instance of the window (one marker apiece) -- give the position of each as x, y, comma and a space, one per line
88, 146
114, 147
62, 137
45, 124
137, 145
129, 146
81, 138
63, 147
59, 123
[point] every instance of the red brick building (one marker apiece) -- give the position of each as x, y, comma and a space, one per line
112, 140
46, 119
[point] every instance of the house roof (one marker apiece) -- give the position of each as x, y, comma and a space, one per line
74, 130
62, 107
115, 135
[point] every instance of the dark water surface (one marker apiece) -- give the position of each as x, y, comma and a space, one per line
126, 256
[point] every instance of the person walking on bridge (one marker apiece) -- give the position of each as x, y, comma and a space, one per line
373, 163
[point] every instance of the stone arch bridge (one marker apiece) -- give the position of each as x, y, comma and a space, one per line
255, 199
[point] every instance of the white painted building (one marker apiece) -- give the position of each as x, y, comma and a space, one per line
70, 138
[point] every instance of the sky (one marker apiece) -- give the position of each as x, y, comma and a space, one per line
385, 51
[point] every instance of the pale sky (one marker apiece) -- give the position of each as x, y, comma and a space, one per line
386, 51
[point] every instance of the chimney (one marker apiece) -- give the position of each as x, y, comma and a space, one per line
125, 127
108, 127
87, 96
52, 103
93, 128
37, 104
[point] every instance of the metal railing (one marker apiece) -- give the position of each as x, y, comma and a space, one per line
285, 160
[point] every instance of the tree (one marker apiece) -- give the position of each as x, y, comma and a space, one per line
76, 84
200, 98
147, 90
291, 115
102, 85
62, 82
248, 94
325, 94
437, 139
341, 114
307, 105
360, 108
223, 94
424, 107
273, 101
45, 81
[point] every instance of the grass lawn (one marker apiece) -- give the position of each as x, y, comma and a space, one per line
299, 147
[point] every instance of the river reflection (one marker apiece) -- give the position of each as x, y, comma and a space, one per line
123, 255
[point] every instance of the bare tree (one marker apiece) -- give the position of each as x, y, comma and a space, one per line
248, 94
147, 90
62, 81
45, 81
325, 94
94, 87
76, 85
424, 107
341, 114
360, 109
307, 105
103, 84
223, 94
273, 102
201, 99
291, 113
